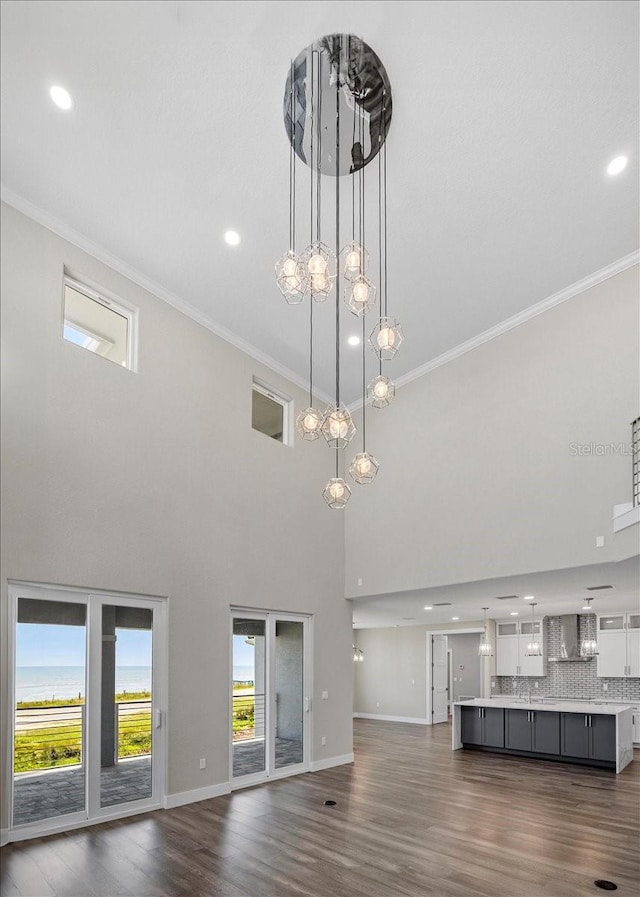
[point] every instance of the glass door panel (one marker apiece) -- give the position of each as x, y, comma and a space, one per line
126, 704
289, 693
49, 755
249, 717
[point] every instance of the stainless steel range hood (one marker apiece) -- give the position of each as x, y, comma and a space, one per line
570, 640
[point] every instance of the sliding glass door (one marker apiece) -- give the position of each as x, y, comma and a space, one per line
269, 696
88, 683
49, 738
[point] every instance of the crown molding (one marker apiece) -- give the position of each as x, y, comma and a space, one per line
63, 230
580, 286
102, 255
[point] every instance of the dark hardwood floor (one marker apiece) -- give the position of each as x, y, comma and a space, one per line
412, 819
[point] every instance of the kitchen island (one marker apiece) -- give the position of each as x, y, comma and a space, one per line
568, 731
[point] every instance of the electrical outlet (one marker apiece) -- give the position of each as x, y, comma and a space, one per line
605, 686
536, 685
325, 695
599, 541
377, 703
203, 763
323, 740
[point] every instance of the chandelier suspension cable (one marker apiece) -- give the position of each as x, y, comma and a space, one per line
338, 237
364, 389
362, 251
380, 282
384, 149
312, 160
291, 154
353, 166
319, 150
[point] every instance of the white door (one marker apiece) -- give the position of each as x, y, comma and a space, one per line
439, 669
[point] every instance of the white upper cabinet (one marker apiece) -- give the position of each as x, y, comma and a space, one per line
619, 646
513, 638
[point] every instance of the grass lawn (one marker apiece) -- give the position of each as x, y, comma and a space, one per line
59, 742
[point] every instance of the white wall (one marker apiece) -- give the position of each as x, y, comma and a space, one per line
154, 483
392, 678
477, 478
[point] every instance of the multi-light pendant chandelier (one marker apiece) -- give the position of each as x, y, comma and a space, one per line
484, 648
534, 648
337, 112
589, 646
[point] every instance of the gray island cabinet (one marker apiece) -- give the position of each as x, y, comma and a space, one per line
569, 731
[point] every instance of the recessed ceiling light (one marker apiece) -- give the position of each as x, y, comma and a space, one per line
617, 165
455, 618
232, 237
61, 97
514, 613
354, 340
428, 607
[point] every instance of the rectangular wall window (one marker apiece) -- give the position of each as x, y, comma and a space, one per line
98, 324
270, 412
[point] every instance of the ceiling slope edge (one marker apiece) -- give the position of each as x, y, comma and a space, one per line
102, 255
121, 267
574, 289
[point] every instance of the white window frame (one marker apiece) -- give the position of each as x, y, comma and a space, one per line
113, 303
287, 409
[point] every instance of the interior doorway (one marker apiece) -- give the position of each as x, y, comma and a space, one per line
442, 679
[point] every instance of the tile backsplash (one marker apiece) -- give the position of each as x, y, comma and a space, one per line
568, 680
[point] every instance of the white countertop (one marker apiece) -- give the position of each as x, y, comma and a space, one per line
592, 707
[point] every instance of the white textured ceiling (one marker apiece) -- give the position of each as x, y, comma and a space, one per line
505, 115
555, 591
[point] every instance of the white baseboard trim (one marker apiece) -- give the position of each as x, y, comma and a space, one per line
319, 765
418, 721
198, 794
4, 836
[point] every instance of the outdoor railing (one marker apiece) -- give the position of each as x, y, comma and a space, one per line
47, 737
248, 717
133, 729
52, 737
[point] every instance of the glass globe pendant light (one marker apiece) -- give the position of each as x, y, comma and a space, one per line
484, 648
317, 260
355, 260
533, 647
336, 493
386, 338
309, 423
589, 646
338, 427
364, 467
360, 295
381, 391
